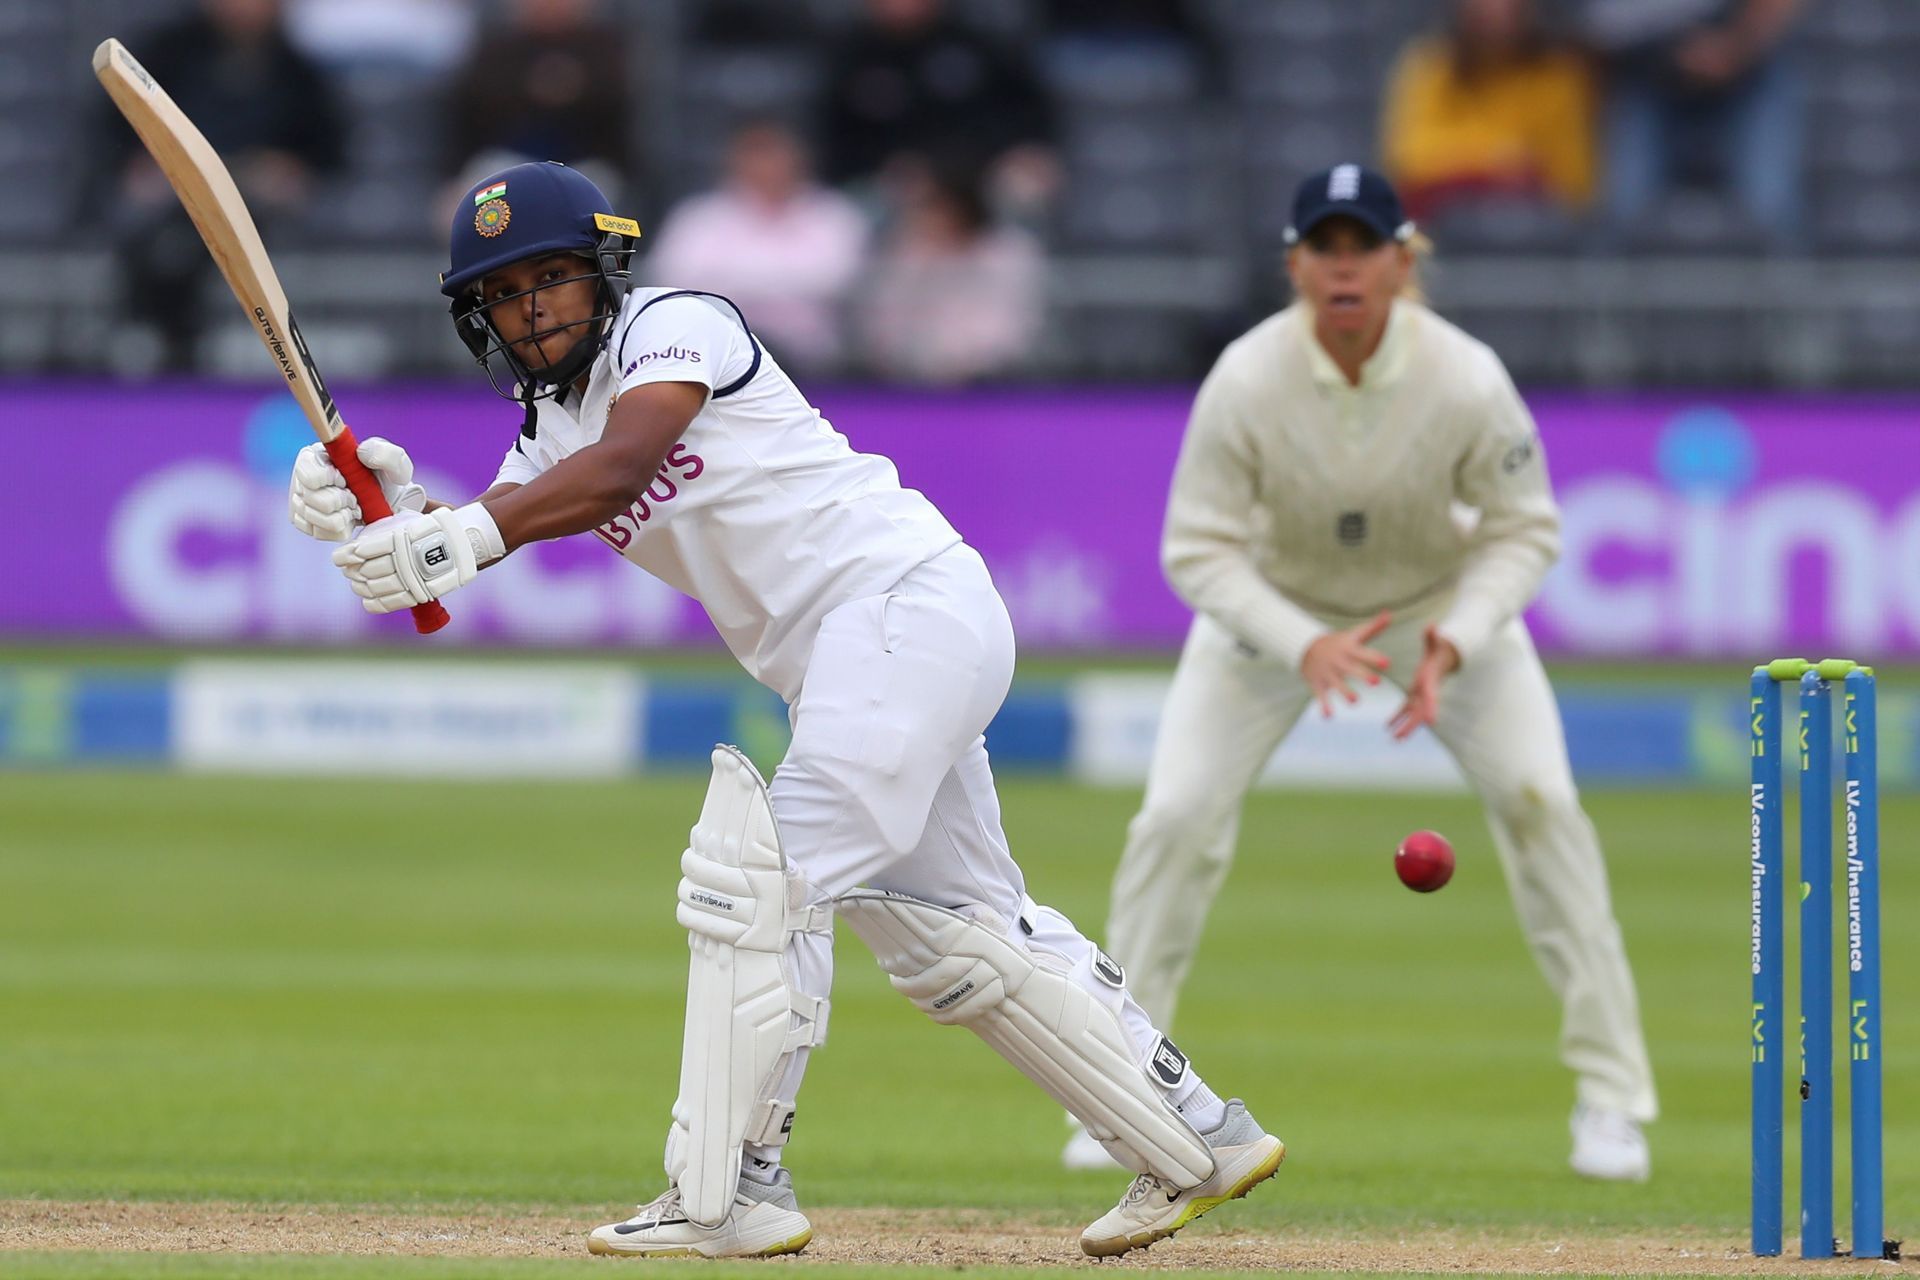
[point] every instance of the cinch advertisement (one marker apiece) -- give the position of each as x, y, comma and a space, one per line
1713, 526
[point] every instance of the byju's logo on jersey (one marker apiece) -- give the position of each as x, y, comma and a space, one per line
684, 354
682, 465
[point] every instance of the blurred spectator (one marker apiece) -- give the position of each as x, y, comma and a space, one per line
270, 114
910, 82
549, 84
772, 239
1130, 50
953, 297
1489, 112
427, 36
751, 22
1701, 85
1168, 26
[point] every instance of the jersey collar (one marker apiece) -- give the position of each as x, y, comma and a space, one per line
1381, 369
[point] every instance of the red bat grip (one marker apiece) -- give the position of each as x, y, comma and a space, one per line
345, 452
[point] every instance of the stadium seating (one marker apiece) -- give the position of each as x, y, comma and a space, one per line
1167, 232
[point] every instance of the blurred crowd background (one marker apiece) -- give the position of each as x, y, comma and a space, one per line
1622, 192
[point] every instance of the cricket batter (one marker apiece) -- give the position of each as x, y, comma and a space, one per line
656, 420
1362, 493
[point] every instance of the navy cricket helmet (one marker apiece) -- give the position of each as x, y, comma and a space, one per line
529, 211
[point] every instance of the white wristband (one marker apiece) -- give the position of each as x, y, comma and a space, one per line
483, 535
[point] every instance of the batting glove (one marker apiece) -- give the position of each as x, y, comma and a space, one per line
407, 560
320, 504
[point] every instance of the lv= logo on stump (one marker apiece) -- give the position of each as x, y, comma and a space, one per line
1767, 857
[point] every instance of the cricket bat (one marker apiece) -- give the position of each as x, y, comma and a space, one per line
201, 180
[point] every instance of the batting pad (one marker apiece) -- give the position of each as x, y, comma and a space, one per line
959, 970
740, 1006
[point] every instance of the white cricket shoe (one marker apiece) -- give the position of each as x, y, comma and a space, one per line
1083, 1151
1609, 1145
1244, 1155
766, 1220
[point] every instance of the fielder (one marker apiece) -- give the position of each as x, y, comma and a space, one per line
655, 419
1361, 492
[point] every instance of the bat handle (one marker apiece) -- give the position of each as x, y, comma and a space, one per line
345, 452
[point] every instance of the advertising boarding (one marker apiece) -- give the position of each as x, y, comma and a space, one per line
1700, 525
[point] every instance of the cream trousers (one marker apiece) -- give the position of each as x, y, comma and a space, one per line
1226, 714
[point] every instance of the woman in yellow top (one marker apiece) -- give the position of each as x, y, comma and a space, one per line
1490, 109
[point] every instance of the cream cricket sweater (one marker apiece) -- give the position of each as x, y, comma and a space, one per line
1301, 503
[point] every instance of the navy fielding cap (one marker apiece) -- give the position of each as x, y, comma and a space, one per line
1349, 191
523, 212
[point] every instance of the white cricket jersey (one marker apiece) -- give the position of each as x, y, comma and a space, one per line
1301, 502
763, 512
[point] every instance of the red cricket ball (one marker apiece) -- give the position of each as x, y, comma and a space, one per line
1424, 861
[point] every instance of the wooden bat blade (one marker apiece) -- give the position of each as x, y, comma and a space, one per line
206, 189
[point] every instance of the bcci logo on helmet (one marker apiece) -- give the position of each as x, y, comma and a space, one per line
491, 218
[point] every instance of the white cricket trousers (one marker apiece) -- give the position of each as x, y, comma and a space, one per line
886, 782
1226, 714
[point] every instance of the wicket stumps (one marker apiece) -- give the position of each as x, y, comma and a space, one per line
1815, 681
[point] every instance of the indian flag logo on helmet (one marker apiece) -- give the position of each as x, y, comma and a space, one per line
485, 194
491, 218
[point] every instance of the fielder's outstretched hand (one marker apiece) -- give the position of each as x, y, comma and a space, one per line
411, 559
319, 502
1438, 660
1339, 656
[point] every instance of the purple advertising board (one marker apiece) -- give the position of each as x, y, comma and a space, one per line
1694, 524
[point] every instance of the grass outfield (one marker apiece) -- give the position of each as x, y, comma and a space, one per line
1039, 665
224, 990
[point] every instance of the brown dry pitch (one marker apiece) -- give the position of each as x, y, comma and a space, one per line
887, 1237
